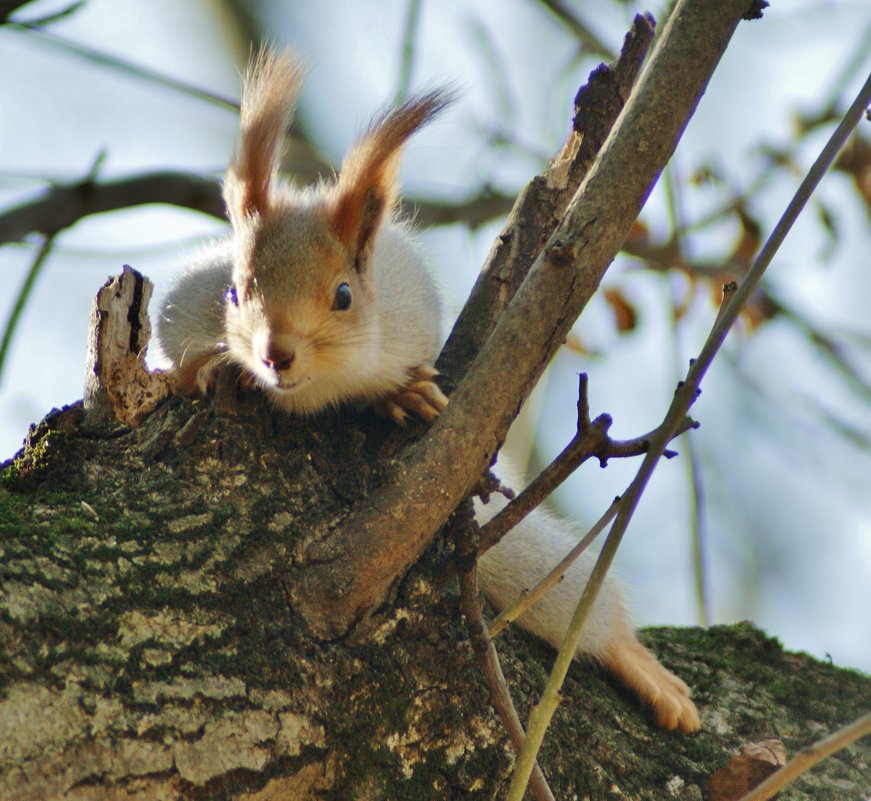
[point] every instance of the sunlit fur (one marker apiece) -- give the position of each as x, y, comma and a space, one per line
338, 355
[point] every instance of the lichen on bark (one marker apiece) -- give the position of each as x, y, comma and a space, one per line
151, 647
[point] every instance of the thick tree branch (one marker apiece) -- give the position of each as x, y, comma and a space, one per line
543, 202
352, 571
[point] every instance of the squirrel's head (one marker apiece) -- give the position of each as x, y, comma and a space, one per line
298, 312
300, 307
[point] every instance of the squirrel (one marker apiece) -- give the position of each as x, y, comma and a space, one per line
322, 297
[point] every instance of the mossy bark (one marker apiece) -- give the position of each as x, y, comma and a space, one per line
151, 648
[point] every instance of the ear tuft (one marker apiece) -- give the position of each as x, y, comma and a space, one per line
367, 186
269, 93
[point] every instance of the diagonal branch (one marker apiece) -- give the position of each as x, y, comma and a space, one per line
351, 572
555, 576
578, 27
544, 201
684, 397
485, 651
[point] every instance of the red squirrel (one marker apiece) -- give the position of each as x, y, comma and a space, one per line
322, 297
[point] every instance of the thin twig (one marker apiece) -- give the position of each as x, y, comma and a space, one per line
508, 616
63, 205
698, 535
122, 65
488, 659
591, 439
698, 538
591, 42
412, 20
808, 757
684, 397
23, 296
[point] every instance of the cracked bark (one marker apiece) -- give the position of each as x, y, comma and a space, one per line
216, 605
358, 575
149, 650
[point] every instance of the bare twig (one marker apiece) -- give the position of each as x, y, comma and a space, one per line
590, 41
488, 661
63, 205
808, 757
698, 534
553, 578
684, 397
406, 67
23, 296
122, 65
591, 439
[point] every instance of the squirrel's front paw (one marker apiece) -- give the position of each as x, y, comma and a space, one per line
421, 396
204, 376
667, 696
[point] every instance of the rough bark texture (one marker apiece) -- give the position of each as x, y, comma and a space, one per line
151, 648
354, 574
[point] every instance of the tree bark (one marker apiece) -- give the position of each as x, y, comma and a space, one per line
149, 650
223, 603
350, 573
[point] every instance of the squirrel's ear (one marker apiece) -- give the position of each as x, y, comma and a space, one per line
367, 186
269, 92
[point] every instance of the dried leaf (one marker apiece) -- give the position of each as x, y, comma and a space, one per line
638, 236
855, 160
758, 310
748, 243
576, 345
625, 316
742, 773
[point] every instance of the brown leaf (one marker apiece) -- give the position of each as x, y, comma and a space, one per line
577, 345
639, 235
747, 246
625, 316
855, 160
742, 773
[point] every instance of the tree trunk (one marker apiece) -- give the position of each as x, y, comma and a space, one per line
152, 649
217, 604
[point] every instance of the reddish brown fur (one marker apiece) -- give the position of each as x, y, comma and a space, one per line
271, 86
367, 185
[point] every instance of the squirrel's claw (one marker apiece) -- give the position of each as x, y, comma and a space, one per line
421, 396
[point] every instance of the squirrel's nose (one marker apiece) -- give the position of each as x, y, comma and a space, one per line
277, 358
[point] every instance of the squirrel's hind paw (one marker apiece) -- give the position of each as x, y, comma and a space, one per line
667, 696
421, 396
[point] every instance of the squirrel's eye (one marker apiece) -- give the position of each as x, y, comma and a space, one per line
342, 300
231, 295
